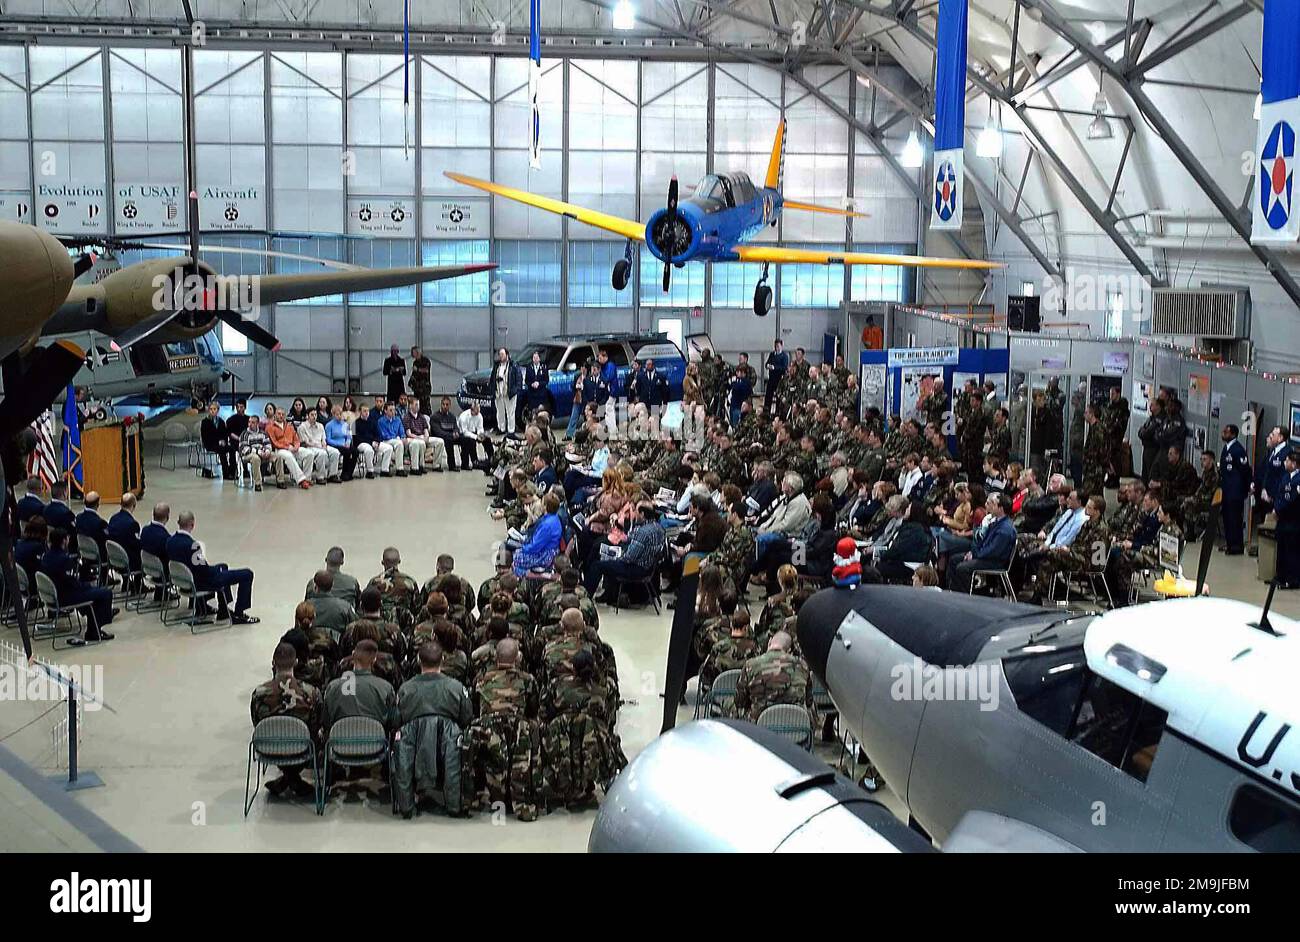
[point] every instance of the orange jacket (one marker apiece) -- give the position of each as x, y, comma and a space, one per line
283, 436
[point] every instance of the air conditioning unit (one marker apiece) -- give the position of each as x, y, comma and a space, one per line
1208, 312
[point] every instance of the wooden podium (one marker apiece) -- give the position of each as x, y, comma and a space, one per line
112, 460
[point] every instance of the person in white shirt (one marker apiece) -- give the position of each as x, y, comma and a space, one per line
910, 476
470, 423
312, 435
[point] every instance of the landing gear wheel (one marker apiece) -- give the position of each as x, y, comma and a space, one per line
622, 274
762, 300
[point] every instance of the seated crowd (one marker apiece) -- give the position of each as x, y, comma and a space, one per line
49, 544
519, 676
330, 443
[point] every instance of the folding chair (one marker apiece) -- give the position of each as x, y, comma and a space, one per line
88, 551
1088, 578
154, 578
280, 740
176, 438
825, 705
720, 700
789, 720
649, 582
119, 561
996, 577
354, 742
56, 611
182, 577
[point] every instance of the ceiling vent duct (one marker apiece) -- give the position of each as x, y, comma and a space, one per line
1221, 313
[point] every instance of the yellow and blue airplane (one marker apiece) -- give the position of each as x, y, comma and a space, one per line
714, 224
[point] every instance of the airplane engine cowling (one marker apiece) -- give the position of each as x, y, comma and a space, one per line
35, 277
141, 291
674, 237
729, 785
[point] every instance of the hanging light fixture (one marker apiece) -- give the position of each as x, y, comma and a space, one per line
1100, 129
989, 143
913, 155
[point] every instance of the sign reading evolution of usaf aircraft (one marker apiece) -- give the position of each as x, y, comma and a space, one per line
1275, 219
949, 115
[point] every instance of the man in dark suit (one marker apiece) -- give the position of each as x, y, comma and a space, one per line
216, 439
62, 568
124, 530
652, 389
182, 547
91, 524
1270, 474
57, 512
154, 537
537, 385
32, 503
544, 476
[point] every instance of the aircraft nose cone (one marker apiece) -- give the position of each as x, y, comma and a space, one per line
820, 619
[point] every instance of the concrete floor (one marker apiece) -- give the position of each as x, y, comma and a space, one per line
173, 756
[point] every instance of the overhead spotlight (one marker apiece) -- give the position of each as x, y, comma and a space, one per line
864, 81
1259, 104
624, 15
1100, 129
913, 155
989, 143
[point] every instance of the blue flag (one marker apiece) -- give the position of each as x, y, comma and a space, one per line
535, 83
1274, 219
72, 470
949, 114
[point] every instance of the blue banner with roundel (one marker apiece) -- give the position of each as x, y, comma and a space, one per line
949, 115
1274, 217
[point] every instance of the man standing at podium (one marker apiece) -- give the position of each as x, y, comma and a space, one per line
124, 530
182, 547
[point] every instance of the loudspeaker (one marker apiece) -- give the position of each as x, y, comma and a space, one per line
1022, 313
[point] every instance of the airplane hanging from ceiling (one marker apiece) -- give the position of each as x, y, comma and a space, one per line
714, 223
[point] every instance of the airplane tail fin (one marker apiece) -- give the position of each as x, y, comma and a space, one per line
813, 208
776, 165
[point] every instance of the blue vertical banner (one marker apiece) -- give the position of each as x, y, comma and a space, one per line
949, 114
1279, 117
72, 470
535, 83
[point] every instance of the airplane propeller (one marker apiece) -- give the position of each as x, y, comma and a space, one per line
672, 233
670, 220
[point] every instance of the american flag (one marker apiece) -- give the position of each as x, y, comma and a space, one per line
44, 460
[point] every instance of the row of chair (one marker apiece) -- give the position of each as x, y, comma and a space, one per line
790, 720
353, 741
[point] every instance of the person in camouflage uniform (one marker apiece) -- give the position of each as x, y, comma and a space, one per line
732, 651
1196, 508
776, 676
729, 465
1000, 436
504, 605
390, 639
1115, 417
1087, 551
1095, 452
803, 461
1123, 519
484, 657
663, 473
317, 649
580, 749
505, 740
285, 695
400, 593
737, 547
778, 607
935, 405
970, 437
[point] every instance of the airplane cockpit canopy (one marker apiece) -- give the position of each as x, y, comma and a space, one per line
725, 190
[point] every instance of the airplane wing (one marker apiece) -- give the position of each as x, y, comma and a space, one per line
779, 254
814, 208
276, 289
628, 228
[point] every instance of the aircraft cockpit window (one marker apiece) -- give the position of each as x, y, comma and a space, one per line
1046, 684
1117, 726
710, 188
742, 188
1266, 822
728, 196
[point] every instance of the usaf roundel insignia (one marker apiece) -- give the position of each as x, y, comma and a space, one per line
1276, 170
945, 190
